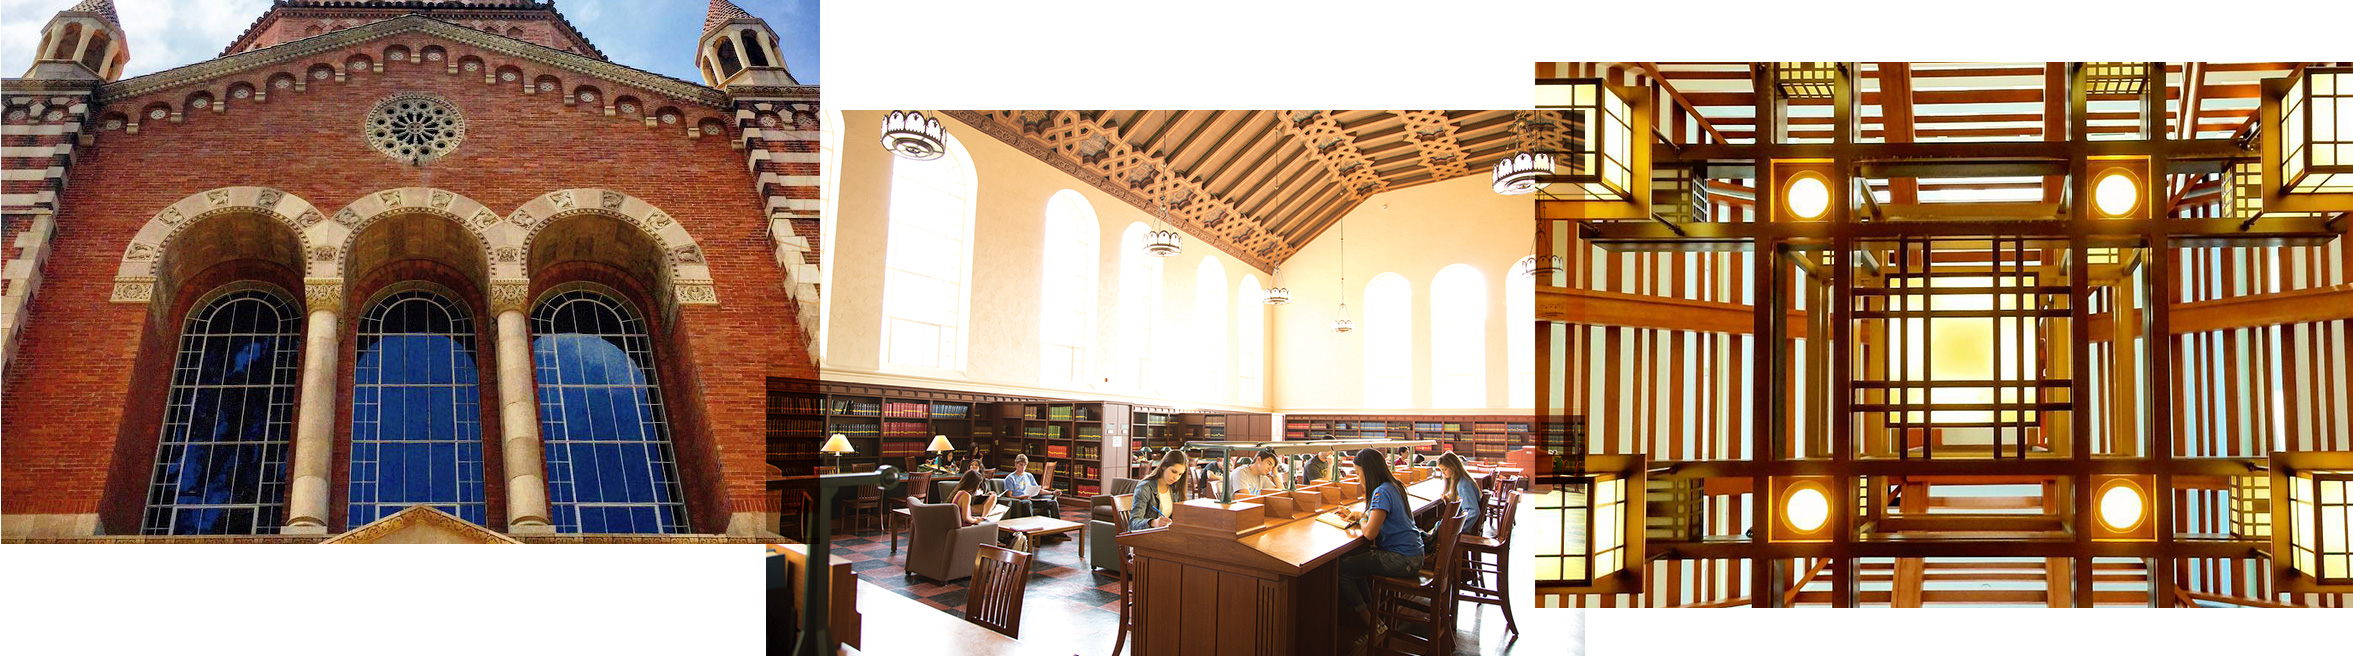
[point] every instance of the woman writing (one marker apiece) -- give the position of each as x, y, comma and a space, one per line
1397, 543
1463, 491
1160, 492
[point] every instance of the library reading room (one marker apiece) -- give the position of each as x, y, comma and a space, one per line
1889, 334
1158, 382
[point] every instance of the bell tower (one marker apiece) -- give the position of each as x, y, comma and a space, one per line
738, 48
82, 43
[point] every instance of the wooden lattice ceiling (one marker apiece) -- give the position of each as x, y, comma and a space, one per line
1257, 184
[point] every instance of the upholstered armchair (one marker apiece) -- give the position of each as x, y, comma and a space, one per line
937, 548
1105, 510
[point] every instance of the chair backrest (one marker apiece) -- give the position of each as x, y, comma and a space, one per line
1046, 480
1124, 486
999, 577
1511, 507
917, 486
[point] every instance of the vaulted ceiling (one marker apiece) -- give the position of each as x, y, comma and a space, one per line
1257, 184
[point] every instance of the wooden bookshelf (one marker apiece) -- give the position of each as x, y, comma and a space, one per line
1086, 442
893, 425
1482, 437
796, 425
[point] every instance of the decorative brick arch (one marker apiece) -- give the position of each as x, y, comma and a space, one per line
135, 276
685, 273
471, 216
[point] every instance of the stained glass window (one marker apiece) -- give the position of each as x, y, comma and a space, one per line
416, 431
610, 465
220, 463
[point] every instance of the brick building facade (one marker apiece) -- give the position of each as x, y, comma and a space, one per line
481, 161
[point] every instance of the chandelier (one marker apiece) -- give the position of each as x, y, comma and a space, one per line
1164, 240
914, 136
1517, 174
1278, 295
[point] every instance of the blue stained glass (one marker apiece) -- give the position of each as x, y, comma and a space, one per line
220, 464
611, 467
416, 434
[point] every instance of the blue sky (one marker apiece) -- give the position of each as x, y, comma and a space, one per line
655, 35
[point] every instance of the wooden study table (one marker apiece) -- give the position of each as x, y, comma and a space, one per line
918, 629
1259, 576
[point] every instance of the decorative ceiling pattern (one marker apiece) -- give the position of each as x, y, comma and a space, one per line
1257, 184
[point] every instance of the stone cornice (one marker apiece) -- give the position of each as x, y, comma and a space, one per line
749, 92
246, 62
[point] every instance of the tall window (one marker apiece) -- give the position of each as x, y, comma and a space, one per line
1250, 319
1209, 327
1519, 307
610, 467
829, 182
1388, 342
1458, 338
416, 431
1069, 295
924, 297
1139, 307
220, 464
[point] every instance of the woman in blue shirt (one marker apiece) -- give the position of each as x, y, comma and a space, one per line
1388, 523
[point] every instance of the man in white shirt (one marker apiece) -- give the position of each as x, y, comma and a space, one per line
1260, 476
1025, 495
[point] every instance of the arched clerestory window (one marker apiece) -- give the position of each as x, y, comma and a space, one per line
1139, 308
1519, 306
416, 417
610, 464
1458, 338
925, 297
220, 463
1388, 342
1250, 336
1066, 327
1209, 331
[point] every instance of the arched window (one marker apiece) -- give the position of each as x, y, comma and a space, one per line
416, 416
750, 41
829, 181
610, 466
1388, 342
1209, 327
1458, 338
924, 298
1069, 294
1519, 306
220, 464
1139, 307
1250, 334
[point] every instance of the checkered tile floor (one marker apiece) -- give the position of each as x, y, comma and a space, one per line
1070, 609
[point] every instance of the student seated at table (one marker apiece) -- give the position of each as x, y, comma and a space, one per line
1160, 492
1463, 491
1386, 522
1258, 476
1023, 496
972, 505
1317, 469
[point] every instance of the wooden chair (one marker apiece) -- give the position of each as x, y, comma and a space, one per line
999, 577
1474, 581
863, 498
1425, 600
1127, 598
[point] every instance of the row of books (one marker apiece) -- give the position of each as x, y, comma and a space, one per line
1087, 452
859, 430
902, 448
784, 403
856, 408
788, 427
906, 409
910, 429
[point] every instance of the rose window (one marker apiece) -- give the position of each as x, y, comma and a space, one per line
415, 128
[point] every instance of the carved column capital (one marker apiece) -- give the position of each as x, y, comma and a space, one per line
510, 294
323, 294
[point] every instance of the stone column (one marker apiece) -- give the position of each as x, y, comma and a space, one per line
518, 412
314, 417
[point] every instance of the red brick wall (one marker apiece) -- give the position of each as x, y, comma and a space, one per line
68, 394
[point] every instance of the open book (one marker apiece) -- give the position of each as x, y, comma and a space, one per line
1333, 518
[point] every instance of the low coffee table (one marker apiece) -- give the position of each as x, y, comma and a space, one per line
1028, 530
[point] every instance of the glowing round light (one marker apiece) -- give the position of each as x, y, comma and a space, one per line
1808, 196
2115, 193
1806, 508
2120, 506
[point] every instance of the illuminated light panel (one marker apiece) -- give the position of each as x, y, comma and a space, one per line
1808, 196
2115, 194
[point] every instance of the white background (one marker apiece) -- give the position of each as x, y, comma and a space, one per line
1255, 54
